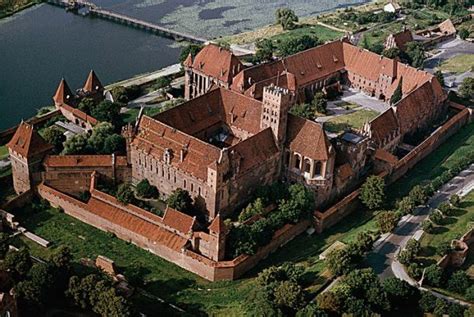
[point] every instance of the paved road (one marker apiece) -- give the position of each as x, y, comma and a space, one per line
383, 255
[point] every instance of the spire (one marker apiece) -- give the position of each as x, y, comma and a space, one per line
217, 225
189, 61
63, 94
93, 83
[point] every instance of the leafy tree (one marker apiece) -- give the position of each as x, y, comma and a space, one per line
329, 301
427, 302
443, 248
441, 307
320, 103
406, 205
111, 305
392, 53
311, 310
62, 257
125, 194
303, 198
466, 89
77, 144
286, 18
254, 208
400, 293
54, 136
433, 275
427, 226
18, 262
119, 93
145, 189
445, 208
413, 246
289, 294
372, 192
4, 244
456, 310
97, 139
459, 282
440, 76
455, 200
463, 33
416, 54
418, 195
162, 82
386, 221
339, 261
180, 200
436, 217
86, 105
304, 110
294, 45
397, 94
192, 49
470, 293
114, 143
109, 112
36, 288
265, 50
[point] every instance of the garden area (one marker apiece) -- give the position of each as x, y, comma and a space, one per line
458, 64
353, 120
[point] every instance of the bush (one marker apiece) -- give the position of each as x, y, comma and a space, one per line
125, 194
436, 217
441, 307
427, 226
406, 205
372, 192
146, 190
386, 221
470, 293
418, 195
445, 208
459, 282
427, 302
455, 200
405, 257
415, 271
443, 248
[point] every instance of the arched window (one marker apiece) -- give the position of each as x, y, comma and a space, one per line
297, 161
307, 165
287, 159
318, 168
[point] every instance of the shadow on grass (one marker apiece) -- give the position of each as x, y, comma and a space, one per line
439, 230
427, 251
459, 212
449, 221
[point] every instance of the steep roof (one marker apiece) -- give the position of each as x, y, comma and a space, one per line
83, 161
92, 83
383, 126
217, 225
307, 138
217, 62
178, 220
63, 94
27, 142
447, 27
188, 62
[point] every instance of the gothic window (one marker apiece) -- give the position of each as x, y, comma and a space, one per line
307, 165
287, 158
297, 161
318, 168
184, 184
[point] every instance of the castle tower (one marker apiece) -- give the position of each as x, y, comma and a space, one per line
93, 85
128, 132
63, 94
188, 76
276, 104
218, 231
27, 150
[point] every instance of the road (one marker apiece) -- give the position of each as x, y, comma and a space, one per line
381, 259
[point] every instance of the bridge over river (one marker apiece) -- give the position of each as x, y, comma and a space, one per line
89, 8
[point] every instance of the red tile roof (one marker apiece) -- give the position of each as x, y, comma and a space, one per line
27, 142
402, 39
307, 138
84, 161
178, 220
92, 83
217, 62
188, 62
383, 127
63, 94
217, 225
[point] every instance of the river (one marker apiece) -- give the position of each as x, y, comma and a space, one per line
42, 44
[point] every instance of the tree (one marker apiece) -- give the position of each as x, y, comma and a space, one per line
97, 139
109, 112
470, 293
406, 205
180, 200
440, 76
286, 18
433, 275
443, 248
61, 257
372, 192
400, 293
386, 221
18, 262
36, 288
418, 195
265, 50
416, 54
329, 301
463, 33
459, 282
114, 143
111, 305
192, 49
436, 217
289, 294
311, 310
445, 208
304, 110
162, 82
145, 189
456, 310
320, 103
125, 194
297, 44
466, 89
77, 144
254, 208
392, 53
427, 226
455, 200
86, 105
119, 93
54, 136
4, 244
427, 302
339, 262
441, 307
397, 94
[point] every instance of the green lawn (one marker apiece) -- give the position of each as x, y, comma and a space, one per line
458, 64
323, 33
454, 228
132, 113
3, 152
354, 120
228, 298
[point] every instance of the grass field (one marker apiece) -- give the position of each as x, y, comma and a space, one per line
323, 33
453, 228
228, 298
458, 64
354, 120
3, 152
131, 114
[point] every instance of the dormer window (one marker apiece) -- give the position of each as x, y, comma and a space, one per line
167, 156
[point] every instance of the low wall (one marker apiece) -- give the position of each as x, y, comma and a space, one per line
187, 259
458, 255
19, 201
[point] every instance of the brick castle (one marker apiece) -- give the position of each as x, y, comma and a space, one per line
233, 134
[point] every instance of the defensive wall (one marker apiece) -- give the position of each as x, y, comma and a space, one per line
459, 250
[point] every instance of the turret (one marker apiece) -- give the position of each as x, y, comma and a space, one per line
276, 104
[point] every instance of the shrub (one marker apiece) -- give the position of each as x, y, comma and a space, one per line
445, 208
433, 275
470, 293
146, 190
443, 248
458, 282
372, 192
386, 221
427, 302
441, 307
455, 200
427, 226
405, 257
125, 194
436, 217
415, 271
418, 195
406, 205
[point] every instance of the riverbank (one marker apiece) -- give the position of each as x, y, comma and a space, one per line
9, 11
